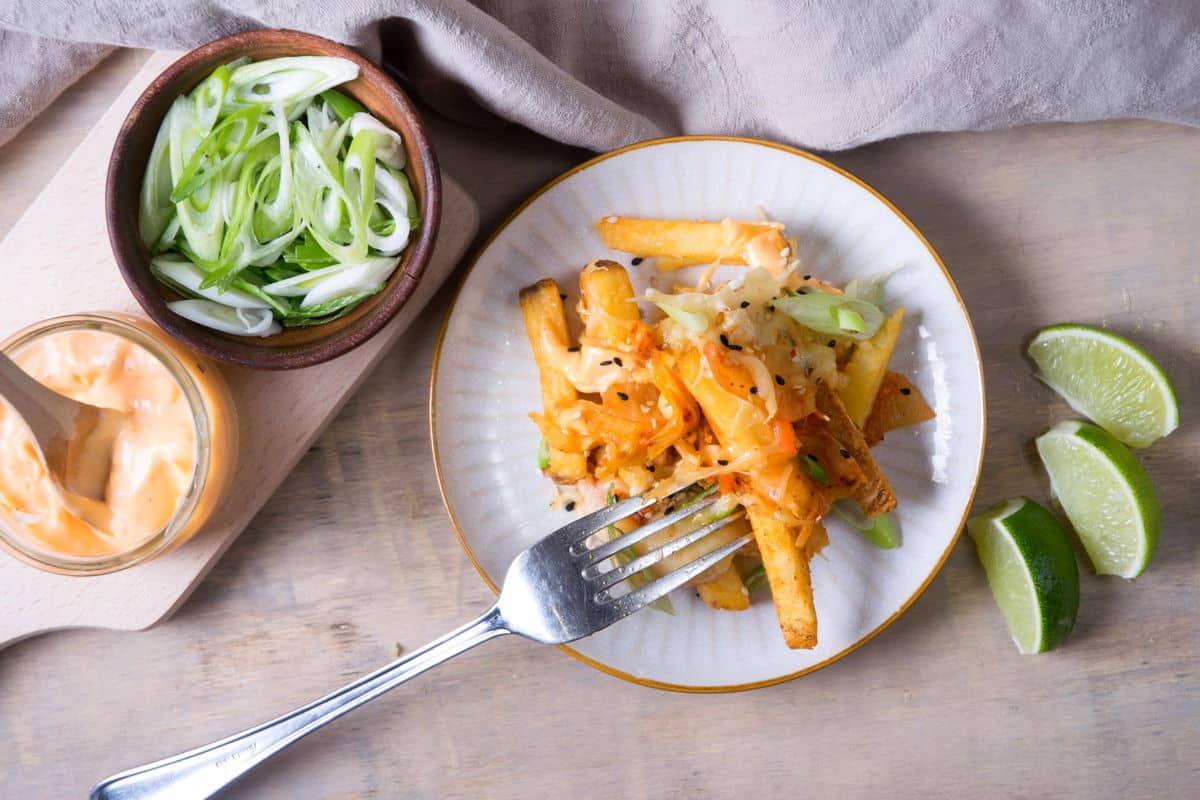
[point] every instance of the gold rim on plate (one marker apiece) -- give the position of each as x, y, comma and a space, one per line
437, 354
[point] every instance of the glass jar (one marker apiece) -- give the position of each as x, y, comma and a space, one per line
215, 426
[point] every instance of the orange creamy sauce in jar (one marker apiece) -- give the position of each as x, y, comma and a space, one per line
153, 488
153, 458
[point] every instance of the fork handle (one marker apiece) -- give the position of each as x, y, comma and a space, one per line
199, 773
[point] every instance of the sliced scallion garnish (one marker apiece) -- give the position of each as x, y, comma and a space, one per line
814, 469
833, 314
880, 531
269, 191
240, 321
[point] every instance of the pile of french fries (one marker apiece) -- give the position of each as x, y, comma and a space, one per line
634, 406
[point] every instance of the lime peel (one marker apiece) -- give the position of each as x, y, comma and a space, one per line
1106, 494
1031, 570
1108, 379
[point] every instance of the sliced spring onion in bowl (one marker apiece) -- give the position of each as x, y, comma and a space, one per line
186, 278
239, 321
391, 148
291, 80
274, 196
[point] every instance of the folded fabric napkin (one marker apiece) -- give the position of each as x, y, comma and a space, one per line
824, 74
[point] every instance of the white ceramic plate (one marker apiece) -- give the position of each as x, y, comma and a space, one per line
485, 384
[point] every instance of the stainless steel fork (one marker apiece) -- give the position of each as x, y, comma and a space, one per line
563, 588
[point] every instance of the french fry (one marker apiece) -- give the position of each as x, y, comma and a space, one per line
867, 366
546, 324
684, 242
898, 404
739, 424
606, 302
670, 263
874, 494
567, 467
718, 538
726, 592
788, 576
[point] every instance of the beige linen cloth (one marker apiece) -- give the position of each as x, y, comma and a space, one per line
824, 74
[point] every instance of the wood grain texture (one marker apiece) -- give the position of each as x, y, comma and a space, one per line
1095, 223
280, 413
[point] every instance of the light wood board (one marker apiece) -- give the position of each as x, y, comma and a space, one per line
56, 260
354, 553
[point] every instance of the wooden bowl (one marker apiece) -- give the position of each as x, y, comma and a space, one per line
293, 347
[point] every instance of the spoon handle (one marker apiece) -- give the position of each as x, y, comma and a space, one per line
46, 412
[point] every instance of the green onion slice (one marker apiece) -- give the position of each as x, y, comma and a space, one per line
239, 321
342, 105
880, 531
756, 579
189, 279
391, 146
814, 469
870, 287
690, 310
833, 314
291, 81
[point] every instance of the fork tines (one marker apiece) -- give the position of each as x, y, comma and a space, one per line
598, 567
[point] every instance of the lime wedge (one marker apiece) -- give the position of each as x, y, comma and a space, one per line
1106, 494
1031, 569
1108, 379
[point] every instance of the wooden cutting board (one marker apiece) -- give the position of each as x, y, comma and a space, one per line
56, 260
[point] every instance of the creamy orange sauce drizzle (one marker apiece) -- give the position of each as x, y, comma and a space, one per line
153, 455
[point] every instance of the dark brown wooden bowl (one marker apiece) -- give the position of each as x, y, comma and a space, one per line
293, 347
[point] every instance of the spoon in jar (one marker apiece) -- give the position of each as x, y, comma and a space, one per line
75, 438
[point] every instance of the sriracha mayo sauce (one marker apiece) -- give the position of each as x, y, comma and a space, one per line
155, 454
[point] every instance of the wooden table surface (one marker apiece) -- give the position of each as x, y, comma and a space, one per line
1096, 223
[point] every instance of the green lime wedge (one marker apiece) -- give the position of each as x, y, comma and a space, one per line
1032, 571
1108, 379
1106, 494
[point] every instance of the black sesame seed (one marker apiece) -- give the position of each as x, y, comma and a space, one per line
617, 361
745, 304
812, 458
779, 379
606, 362
771, 307
801, 291
622, 395
573, 348
724, 340
906, 390
753, 390
724, 462
831, 343
844, 453
570, 506
649, 468
562, 296
808, 277
636, 260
